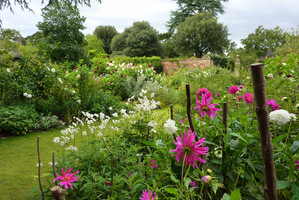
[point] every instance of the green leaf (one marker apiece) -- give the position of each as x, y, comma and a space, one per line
239, 136
187, 182
174, 179
171, 190
282, 184
235, 195
225, 197
279, 138
295, 146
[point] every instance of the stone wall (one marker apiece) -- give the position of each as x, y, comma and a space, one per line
170, 66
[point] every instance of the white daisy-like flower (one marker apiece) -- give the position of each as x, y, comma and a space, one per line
25, 94
115, 115
170, 126
99, 134
8, 70
56, 140
293, 117
53, 70
280, 117
59, 79
84, 133
40, 164
29, 96
110, 108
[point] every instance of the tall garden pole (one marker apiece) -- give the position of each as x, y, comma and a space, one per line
189, 110
39, 177
259, 87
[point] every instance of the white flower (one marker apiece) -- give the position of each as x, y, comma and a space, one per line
56, 140
123, 111
71, 148
25, 94
78, 76
59, 79
8, 70
73, 91
170, 126
293, 117
51, 164
29, 96
280, 117
115, 115
152, 124
100, 134
110, 108
40, 164
79, 101
84, 133
152, 95
53, 70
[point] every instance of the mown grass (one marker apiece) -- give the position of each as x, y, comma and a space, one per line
18, 160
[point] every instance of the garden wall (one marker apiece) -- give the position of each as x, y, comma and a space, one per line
169, 66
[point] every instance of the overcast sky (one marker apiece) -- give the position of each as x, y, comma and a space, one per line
241, 17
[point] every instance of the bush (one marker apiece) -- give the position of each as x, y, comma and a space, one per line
18, 119
47, 122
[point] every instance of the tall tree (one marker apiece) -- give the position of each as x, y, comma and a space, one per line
10, 34
61, 28
291, 45
106, 34
189, 8
263, 40
200, 34
139, 40
94, 46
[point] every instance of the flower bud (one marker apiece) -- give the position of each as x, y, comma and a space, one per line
285, 99
209, 171
206, 178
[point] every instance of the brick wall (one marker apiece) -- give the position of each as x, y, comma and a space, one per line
171, 66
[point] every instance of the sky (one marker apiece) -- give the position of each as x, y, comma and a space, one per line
241, 17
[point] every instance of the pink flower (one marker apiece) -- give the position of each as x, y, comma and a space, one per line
192, 184
185, 146
152, 165
129, 174
108, 83
146, 196
233, 90
122, 76
247, 98
202, 91
297, 164
218, 94
273, 105
206, 178
67, 178
205, 107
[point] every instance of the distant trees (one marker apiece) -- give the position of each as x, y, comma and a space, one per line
139, 40
94, 46
61, 28
189, 8
106, 34
291, 44
200, 34
264, 40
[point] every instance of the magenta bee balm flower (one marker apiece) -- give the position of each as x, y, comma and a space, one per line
67, 178
146, 196
233, 90
186, 146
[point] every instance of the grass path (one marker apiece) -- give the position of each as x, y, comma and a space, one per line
18, 159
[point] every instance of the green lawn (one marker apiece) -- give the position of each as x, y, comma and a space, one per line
18, 159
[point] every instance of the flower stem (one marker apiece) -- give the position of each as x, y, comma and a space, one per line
182, 176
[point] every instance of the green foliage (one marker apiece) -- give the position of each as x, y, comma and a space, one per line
10, 34
220, 60
290, 46
263, 41
189, 8
200, 34
47, 122
61, 28
18, 119
139, 40
94, 46
106, 34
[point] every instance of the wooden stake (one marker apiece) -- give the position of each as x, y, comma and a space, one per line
259, 88
58, 193
54, 170
39, 180
223, 147
189, 110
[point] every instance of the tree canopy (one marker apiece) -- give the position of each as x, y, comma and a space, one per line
263, 40
189, 8
106, 34
61, 28
201, 34
139, 40
290, 46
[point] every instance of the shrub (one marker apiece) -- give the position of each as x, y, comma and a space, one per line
47, 122
18, 119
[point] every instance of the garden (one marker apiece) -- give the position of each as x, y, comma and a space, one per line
122, 129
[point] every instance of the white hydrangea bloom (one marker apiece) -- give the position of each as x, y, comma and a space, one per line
280, 117
170, 126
